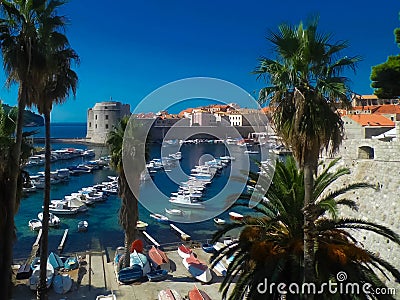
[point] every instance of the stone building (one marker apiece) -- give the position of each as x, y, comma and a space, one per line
102, 117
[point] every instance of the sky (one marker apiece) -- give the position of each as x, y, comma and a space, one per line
128, 48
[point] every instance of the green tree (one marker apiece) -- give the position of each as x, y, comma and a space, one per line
129, 211
305, 83
23, 64
270, 244
58, 82
386, 78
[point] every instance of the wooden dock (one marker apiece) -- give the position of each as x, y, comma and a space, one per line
62, 243
151, 239
35, 248
184, 236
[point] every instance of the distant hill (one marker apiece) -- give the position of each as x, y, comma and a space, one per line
30, 118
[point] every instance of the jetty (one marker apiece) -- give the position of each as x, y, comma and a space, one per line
62, 243
151, 239
184, 236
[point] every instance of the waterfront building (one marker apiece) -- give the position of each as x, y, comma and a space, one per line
365, 100
364, 126
102, 118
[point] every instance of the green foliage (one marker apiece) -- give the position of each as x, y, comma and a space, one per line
30, 118
271, 244
386, 78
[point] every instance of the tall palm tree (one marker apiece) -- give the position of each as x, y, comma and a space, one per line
57, 84
270, 245
306, 84
23, 65
129, 211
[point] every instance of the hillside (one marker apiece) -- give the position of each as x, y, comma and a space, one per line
30, 118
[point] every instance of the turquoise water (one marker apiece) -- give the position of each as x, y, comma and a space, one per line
104, 230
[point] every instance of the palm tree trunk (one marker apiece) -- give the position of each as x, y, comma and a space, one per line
14, 167
129, 210
309, 225
42, 288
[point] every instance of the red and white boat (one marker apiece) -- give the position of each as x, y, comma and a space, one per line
197, 269
159, 259
169, 294
197, 294
235, 216
184, 251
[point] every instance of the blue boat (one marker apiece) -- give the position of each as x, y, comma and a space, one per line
157, 275
130, 274
55, 261
209, 248
71, 263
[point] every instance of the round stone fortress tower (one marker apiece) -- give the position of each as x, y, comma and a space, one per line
102, 118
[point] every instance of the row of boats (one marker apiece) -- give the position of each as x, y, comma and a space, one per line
60, 154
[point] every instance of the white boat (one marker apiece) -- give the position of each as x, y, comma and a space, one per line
197, 269
54, 221
34, 279
174, 211
219, 221
185, 201
83, 225
35, 224
140, 225
220, 268
60, 208
159, 218
235, 216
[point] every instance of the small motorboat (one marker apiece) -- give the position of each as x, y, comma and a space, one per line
235, 216
159, 259
160, 218
62, 283
184, 251
197, 269
35, 224
54, 221
34, 279
219, 221
197, 294
220, 268
140, 225
174, 211
169, 294
55, 261
140, 260
83, 226
130, 274
157, 275
208, 248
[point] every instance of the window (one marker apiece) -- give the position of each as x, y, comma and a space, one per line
105, 107
106, 126
95, 126
95, 117
90, 124
106, 117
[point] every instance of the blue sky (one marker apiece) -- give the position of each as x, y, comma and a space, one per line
130, 48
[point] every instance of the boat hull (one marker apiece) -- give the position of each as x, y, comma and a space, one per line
169, 294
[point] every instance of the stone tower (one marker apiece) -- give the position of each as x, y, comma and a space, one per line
102, 118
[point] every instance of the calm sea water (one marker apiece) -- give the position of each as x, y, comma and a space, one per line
104, 229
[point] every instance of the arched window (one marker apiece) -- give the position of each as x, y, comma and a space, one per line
366, 152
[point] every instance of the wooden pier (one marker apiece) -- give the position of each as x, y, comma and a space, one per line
62, 243
35, 248
151, 239
184, 236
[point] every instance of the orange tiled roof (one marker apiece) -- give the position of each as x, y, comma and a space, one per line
371, 120
367, 97
380, 109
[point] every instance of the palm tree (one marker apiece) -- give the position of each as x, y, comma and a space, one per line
58, 82
270, 245
129, 211
22, 64
305, 86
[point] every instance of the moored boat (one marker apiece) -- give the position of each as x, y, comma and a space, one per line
220, 268
140, 225
159, 259
54, 221
169, 294
174, 211
83, 225
140, 260
208, 248
235, 216
219, 221
196, 294
35, 224
160, 218
130, 274
34, 279
184, 251
62, 283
